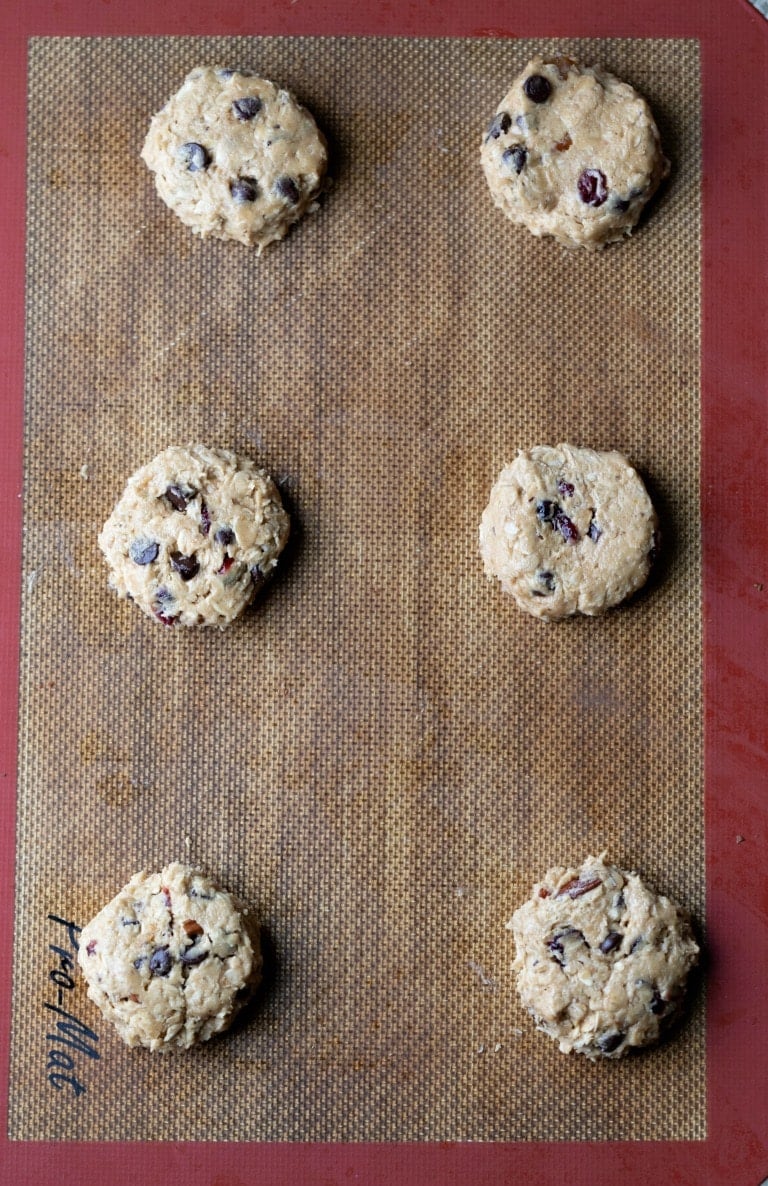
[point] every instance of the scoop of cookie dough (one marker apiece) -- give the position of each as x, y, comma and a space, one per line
195, 534
573, 152
568, 530
601, 960
236, 157
170, 961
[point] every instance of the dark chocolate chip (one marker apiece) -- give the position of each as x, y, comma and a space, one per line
610, 1042
638, 942
611, 941
160, 962
144, 551
500, 124
178, 498
537, 88
193, 156
546, 510
594, 531
286, 187
658, 1005
205, 517
547, 579
140, 962
557, 943
164, 596
565, 488
186, 566
246, 108
620, 205
224, 536
243, 190
190, 957
515, 157
257, 576
593, 188
566, 527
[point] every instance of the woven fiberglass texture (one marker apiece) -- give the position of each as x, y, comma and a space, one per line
385, 754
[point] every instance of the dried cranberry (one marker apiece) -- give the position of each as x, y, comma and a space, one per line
566, 527
226, 564
243, 190
178, 498
576, 887
247, 108
160, 962
166, 619
144, 551
565, 488
611, 941
515, 157
205, 518
286, 187
193, 156
91, 947
564, 144
537, 88
593, 188
186, 566
500, 124
610, 1042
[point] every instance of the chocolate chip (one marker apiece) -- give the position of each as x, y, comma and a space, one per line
160, 962
515, 157
547, 579
257, 576
164, 596
658, 1005
566, 527
192, 957
286, 187
225, 73
178, 497
537, 88
620, 205
611, 941
500, 124
186, 566
593, 530
224, 536
565, 488
244, 109
244, 189
593, 188
144, 551
193, 156
140, 962
610, 1042
546, 510
205, 517
557, 943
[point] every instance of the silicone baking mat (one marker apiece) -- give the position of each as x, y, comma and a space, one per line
386, 754
733, 46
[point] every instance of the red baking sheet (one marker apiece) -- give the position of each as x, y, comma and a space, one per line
734, 44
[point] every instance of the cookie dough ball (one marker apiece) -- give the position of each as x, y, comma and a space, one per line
601, 960
574, 153
568, 531
195, 534
170, 961
236, 157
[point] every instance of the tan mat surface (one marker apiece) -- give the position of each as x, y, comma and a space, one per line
386, 754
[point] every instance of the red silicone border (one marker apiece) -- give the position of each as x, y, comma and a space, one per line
734, 41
